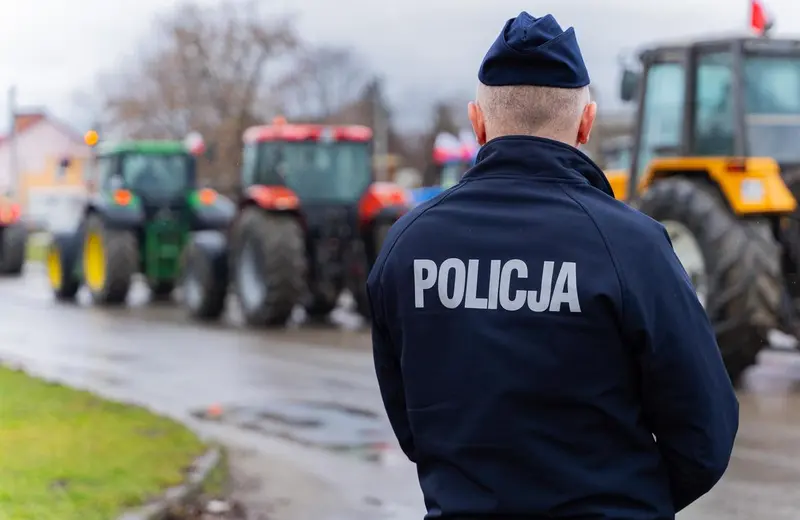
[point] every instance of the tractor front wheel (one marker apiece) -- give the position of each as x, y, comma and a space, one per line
12, 250
110, 259
374, 244
60, 274
734, 264
204, 290
269, 266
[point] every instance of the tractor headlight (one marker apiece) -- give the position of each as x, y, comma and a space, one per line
751, 191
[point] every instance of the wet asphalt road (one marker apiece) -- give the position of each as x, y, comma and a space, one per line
307, 397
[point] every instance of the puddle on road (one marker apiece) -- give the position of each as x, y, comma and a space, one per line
321, 424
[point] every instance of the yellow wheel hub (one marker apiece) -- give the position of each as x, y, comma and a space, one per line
94, 261
54, 272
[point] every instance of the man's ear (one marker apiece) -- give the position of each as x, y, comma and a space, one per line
478, 123
587, 122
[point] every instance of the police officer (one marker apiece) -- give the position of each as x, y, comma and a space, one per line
540, 351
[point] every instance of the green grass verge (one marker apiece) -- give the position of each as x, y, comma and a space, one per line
69, 455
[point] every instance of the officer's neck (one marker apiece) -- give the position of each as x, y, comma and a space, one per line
561, 138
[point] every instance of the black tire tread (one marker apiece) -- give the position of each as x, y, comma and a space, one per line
379, 233
122, 262
280, 241
743, 258
214, 289
70, 284
12, 258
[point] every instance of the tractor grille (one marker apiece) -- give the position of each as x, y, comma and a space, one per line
165, 237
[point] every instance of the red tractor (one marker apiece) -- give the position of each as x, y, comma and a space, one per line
310, 224
13, 238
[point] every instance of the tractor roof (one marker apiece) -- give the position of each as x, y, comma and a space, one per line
749, 41
151, 147
289, 132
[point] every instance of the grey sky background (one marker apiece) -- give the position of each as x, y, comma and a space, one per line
425, 49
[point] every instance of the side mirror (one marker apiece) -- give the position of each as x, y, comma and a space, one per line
629, 85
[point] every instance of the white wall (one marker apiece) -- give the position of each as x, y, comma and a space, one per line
56, 208
34, 147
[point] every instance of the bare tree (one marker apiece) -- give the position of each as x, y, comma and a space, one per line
208, 70
326, 80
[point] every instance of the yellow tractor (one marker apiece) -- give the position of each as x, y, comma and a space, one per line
715, 157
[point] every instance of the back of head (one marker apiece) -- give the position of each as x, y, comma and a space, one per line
550, 112
533, 81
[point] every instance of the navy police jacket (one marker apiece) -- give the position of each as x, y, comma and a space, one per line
540, 350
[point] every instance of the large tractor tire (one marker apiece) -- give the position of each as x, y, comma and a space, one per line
790, 238
12, 250
110, 259
269, 266
374, 245
735, 265
60, 263
204, 290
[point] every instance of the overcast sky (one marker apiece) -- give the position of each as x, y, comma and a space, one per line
425, 49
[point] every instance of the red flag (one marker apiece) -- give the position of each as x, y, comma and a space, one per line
759, 20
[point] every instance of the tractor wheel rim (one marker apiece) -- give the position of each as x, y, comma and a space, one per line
688, 250
252, 289
94, 262
54, 271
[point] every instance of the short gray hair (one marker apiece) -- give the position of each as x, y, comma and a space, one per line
526, 110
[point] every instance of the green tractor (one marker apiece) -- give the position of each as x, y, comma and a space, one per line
144, 202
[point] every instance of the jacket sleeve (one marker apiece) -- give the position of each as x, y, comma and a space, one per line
688, 399
387, 369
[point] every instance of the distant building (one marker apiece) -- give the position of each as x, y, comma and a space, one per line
41, 186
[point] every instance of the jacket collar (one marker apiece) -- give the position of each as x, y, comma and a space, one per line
537, 156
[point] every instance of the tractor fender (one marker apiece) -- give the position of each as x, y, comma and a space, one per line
750, 186
272, 198
215, 216
114, 215
69, 247
380, 197
213, 245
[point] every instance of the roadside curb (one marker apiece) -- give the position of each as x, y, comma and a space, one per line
182, 494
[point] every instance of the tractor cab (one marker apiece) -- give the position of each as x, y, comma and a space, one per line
158, 174
323, 166
715, 159
735, 97
452, 157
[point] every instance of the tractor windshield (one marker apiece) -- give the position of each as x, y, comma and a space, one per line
772, 103
337, 172
154, 176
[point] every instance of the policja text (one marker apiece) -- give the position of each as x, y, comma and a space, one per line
466, 278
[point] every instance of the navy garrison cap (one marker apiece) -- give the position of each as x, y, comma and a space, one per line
536, 52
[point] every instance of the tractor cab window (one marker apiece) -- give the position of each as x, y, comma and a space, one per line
250, 165
154, 176
715, 122
318, 172
663, 113
102, 171
772, 104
